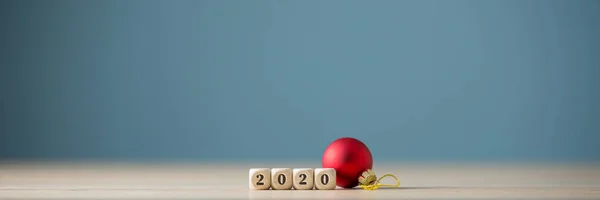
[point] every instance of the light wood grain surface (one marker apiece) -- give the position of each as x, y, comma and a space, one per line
228, 180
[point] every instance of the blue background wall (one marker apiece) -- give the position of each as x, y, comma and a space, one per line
239, 80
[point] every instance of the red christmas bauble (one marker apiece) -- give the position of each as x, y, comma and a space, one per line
349, 157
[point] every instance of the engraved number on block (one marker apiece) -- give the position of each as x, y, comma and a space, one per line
260, 178
325, 179
281, 179
303, 176
303, 179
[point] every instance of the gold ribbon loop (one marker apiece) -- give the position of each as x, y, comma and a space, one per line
379, 184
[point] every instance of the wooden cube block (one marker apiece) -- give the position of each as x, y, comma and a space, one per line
303, 179
281, 178
325, 178
260, 178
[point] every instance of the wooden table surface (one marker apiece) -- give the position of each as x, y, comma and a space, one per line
228, 180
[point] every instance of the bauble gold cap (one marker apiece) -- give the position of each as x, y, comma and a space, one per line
367, 178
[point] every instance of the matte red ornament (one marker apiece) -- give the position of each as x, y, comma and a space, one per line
350, 158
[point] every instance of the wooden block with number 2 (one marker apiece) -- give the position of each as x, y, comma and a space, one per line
260, 178
303, 179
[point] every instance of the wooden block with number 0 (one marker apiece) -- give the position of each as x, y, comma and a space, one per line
325, 178
260, 178
303, 179
281, 178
